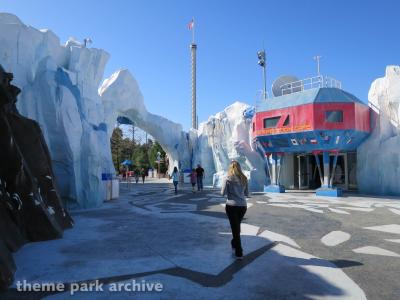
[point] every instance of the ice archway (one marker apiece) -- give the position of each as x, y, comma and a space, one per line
221, 138
121, 96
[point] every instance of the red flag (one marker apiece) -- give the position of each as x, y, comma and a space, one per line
191, 25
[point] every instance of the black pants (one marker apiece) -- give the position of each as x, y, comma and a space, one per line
199, 183
235, 215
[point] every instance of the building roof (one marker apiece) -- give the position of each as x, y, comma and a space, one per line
315, 95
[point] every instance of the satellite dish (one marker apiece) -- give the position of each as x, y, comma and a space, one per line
286, 84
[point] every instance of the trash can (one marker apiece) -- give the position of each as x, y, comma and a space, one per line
111, 186
115, 188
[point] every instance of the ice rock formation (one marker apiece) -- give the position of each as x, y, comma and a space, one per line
223, 137
378, 167
59, 90
121, 96
227, 136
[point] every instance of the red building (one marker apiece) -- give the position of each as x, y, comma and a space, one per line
305, 124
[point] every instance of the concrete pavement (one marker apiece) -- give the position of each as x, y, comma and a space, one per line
297, 246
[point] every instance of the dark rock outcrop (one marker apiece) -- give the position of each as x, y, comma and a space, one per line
30, 206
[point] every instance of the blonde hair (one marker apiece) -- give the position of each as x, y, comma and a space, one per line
236, 171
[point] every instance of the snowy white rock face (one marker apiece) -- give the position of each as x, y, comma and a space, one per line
378, 167
121, 96
224, 137
59, 90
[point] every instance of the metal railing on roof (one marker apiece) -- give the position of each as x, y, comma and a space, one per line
310, 83
301, 85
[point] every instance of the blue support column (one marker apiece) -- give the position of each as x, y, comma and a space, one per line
327, 189
275, 161
319, 168
333, 170
325, 159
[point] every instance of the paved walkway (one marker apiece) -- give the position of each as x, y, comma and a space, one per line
297, 246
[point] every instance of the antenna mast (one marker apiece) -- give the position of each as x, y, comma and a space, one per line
317, 59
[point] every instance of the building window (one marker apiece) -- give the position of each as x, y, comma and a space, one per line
271, 122
287, 121
334, 116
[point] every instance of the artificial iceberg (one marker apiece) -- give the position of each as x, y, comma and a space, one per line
60, 90
121, 96
379, 169
223, 137
226, 137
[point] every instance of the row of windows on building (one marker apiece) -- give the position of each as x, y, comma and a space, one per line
331, 116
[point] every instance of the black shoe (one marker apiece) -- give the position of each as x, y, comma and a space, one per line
239, 254
239, 257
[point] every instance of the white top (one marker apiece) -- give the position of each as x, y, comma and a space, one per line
175, 176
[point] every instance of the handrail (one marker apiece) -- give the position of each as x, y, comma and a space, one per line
301, 85
310, 83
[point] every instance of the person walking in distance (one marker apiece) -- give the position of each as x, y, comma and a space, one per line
143, 173
200, 175
235, 187
193, 179
175, 179
137, 175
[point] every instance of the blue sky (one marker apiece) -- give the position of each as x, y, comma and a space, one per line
356, 40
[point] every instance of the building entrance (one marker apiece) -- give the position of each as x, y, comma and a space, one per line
307, 175
303, 171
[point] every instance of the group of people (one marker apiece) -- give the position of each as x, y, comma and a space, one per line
196, 177
235, 188
137, 173
140, 173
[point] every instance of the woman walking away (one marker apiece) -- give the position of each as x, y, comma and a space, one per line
193, 179
236, 188
175, 179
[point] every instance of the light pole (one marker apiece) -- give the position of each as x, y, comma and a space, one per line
262, 63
